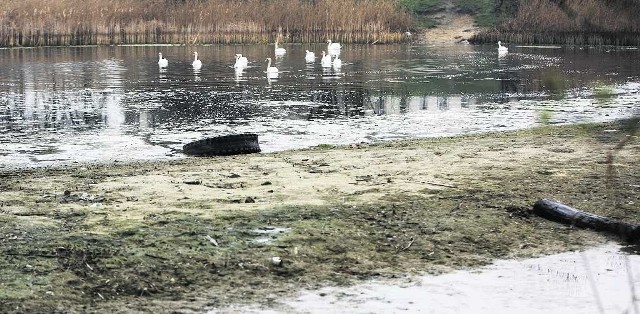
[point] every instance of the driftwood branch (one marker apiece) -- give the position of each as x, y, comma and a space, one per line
400, 249
558, 212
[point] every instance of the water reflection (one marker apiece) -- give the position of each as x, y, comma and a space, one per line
238, 73
57, 103
433, 91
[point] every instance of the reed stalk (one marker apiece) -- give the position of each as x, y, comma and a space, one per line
111, 22
573, 22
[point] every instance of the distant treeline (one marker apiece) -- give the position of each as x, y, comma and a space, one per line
106, 22
596, 22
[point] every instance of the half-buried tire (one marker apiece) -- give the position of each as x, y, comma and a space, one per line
233, 144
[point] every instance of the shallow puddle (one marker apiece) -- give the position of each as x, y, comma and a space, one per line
600, 280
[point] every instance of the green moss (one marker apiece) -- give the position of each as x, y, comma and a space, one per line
325, 146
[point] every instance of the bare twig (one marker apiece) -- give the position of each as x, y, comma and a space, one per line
399, 249
634, 298
439, 184
212, 240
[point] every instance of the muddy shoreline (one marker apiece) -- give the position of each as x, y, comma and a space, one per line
201, 233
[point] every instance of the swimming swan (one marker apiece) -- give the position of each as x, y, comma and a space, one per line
336, 62
279, 51
271, 71
502, 49
333, 48
326, 60
197, 64
310, 56
162, 62
241, 62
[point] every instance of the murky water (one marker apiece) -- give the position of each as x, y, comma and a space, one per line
600, 280
85, 104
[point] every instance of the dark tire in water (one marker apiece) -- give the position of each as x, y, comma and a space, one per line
233, 144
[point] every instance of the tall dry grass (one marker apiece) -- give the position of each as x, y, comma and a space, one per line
100, 22
571, 22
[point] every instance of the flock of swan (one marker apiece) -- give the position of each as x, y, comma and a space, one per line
330, 59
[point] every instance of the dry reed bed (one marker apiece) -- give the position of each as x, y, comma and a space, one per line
101, 22
579, 22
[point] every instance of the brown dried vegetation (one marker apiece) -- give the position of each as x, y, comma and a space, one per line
99, 22
570, 22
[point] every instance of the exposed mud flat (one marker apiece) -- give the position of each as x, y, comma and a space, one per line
200, 234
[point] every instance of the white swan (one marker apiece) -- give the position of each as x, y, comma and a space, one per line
333, 48
336, 62
241, 62
271, 71
310, 56
197, 64
502, 49
279, 51
162, 62
326, 60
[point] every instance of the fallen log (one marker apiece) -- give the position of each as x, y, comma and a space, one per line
558, 212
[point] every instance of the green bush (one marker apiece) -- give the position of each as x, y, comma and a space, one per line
422, 6
483, 10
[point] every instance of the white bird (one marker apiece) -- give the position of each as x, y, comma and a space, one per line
162, 62
336, 62
310, 56
271, 71
326, 60
197, 64
279, 51
502, 49
333, 48
241, 62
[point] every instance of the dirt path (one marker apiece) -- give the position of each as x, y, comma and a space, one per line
453, 28
201, 233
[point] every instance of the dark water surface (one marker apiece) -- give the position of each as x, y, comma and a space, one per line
85, 104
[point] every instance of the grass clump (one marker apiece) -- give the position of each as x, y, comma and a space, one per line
602, 92
544, 116
555, 83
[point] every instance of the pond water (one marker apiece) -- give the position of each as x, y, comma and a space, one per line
61, 105
600, 280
